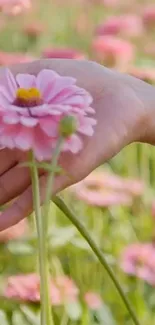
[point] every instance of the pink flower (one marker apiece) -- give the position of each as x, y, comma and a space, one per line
63, 53
31, 108
149, 15
34, 29
26, 288
14, 58
14, 232
111, 3
105, 189
67, 287
93, 300
139, 260
145, 74
128, 25
14, 7
113, 51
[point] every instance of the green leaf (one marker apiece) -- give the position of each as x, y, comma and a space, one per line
80, 243
32, 317
20, 248
73, 310
145, 63
62, 236
104, 316
18, 319
42, 165
3, 318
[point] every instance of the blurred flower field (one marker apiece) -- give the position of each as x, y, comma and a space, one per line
116, 202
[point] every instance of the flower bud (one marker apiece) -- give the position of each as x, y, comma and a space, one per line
68, 126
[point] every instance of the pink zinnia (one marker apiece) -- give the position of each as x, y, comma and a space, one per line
31, 108
63, 53
93, 300
129, 25
27, 288
14, 7
113, 51
34, 29
149, 15
104, 189
146, 74
139, 260
14, 58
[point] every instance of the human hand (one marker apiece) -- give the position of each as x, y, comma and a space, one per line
123, 108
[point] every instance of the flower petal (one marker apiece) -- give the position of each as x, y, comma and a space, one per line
58, 109
24, 139
25, 80
11, 83
28, 121
44, 79
49, 126
40, 110
11, 119
7, 142
23, 111
5, 96
60, 84
86, 126
42, 145
61, 95
73, 144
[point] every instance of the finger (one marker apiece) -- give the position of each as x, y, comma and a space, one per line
23, 206
90, 75
13, 182
7, 160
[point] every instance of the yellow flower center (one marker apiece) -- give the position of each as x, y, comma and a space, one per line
28, 94
28, 97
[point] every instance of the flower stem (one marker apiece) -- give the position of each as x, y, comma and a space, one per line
70, 215
46, 315
50, 182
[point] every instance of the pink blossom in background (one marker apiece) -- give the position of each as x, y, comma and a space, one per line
34, 29
15, 7
128, 25
111, 3
113, 51
93, 300
67, 288
26, 288
14, 58
145, 74
105, 189
63, 53
31, 108
149, 15
14, 232
139, 260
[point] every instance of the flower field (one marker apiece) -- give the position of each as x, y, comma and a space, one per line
116, 203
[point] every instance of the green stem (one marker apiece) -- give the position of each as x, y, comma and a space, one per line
50, 183
70, 215
46, 315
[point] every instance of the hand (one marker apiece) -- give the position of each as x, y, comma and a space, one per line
123, 106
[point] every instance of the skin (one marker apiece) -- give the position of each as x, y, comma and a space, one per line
125, 108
